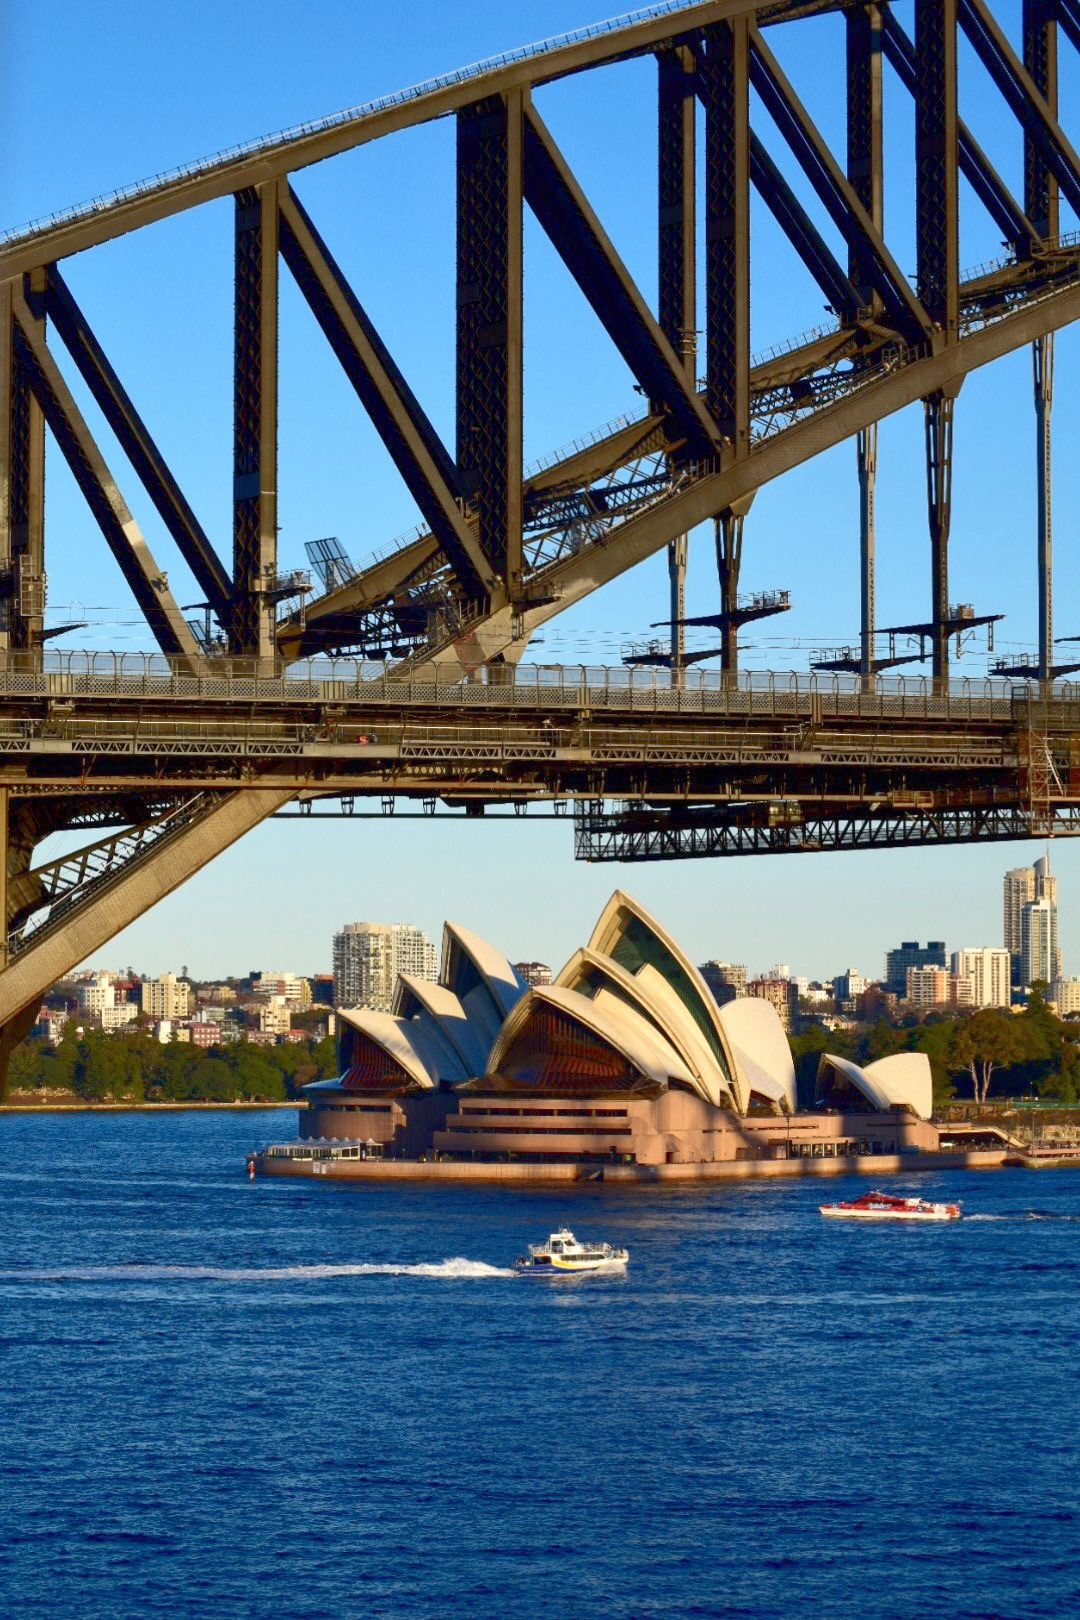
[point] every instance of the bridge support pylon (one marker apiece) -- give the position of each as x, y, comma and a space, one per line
101, 896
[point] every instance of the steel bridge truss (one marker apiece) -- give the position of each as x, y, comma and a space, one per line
502, 549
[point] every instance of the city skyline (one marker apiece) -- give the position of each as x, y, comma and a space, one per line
731, 911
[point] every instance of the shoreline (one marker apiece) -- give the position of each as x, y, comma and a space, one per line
141, 1108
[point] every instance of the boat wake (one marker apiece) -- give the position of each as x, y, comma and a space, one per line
1026, 1215
137, 1271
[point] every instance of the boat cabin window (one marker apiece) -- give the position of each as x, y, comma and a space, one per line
556, 1248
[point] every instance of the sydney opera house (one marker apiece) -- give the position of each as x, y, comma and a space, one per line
626, 1057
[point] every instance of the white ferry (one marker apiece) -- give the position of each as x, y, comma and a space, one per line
563, 1254
879, 1206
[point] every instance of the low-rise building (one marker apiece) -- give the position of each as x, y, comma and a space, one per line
910, 954
274, 1016
295, 989
97, 994
1065, 994
204, 1033
120, 1016
533, 973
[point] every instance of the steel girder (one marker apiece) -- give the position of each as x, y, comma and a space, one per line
489, 319
255, 420
22, 489
635, 835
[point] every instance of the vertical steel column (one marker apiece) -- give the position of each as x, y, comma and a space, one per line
866, 459
937, 252
939, 445
22, 490
251, 631
489, 316
1043, 368
676, 245
729, 539
5, 909
725, 90
7, 388
1041, 207
865, 171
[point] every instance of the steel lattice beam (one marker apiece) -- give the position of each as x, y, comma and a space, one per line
489, 335
254, 420
725, 89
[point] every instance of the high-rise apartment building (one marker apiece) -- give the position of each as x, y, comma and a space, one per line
1039, 956
368, 958
910, 954
988, 971
1032, 940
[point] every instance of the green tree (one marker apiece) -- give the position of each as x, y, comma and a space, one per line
986, 1041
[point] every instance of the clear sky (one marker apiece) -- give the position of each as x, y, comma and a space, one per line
94, 96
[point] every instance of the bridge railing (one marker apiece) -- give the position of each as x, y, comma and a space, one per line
58, 674
351, 115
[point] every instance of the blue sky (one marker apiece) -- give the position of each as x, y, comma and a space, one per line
93, 96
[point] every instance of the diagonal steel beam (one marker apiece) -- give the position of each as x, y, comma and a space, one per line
1022, 97
559, 204
396, 415
148, 584
1015, 226
880, 270
136, 442
802, 233
1067, 13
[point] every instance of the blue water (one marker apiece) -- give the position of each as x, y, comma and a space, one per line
220, 1399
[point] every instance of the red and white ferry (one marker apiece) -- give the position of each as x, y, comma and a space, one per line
879, 1206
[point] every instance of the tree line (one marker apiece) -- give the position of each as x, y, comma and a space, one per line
100, 1067
978, 1056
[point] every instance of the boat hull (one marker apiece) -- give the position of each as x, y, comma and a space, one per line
832, 1213
570, 1268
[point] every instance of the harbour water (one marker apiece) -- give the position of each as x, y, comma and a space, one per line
300, 1399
